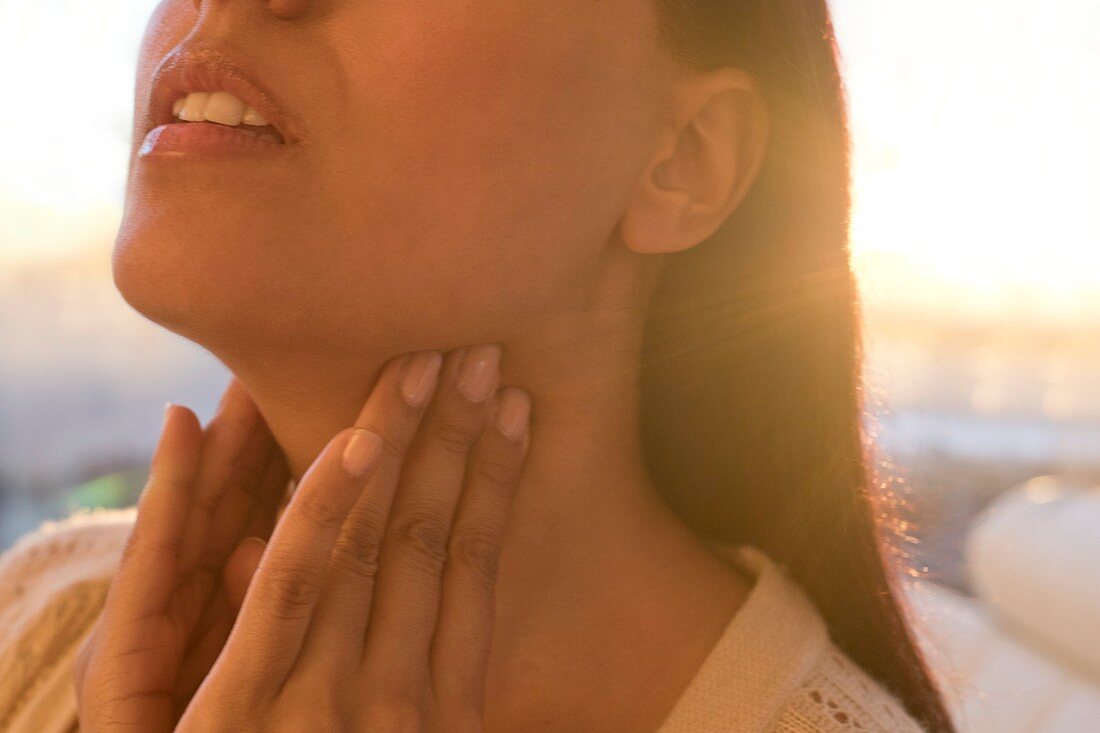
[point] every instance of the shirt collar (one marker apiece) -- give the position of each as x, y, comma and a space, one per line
772, 642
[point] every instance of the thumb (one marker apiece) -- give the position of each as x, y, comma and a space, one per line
239, 569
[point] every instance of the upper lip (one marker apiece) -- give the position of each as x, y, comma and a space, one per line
210, 69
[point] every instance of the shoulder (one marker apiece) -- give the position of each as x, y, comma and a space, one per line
85, 546
830, 692
53, 582
838, 696
776, 668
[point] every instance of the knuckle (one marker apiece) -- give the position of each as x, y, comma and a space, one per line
206, 502
495, 470
479, 550
327, 710
320, 508
424, 533
292, 593
392, 448
358, 548
112, 707
452, 434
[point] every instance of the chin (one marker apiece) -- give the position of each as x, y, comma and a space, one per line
147, 276
234, 295
179, 283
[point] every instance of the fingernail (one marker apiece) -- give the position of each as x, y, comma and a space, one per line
361, 452
258, 542
420, 377
167, 411
515, 410
477, 379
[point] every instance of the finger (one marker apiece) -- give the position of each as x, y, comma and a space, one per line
233, 444
145, 579
414, 550
464, 633
236, 575
207, 637
272, 495
239, 569
192, 599
208, 642
267, 637
251, 488
237, 449
394, 410
222, 611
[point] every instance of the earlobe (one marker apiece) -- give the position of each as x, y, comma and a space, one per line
704, 166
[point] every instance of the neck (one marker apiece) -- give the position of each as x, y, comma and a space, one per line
591, 550
584, 479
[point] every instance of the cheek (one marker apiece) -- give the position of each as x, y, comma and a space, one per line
490, 141
464, 179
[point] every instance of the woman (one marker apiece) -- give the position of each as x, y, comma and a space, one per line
634, 212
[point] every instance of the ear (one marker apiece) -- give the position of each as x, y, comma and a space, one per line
707, 158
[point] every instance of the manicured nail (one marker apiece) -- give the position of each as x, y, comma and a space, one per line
258, 542
420, 377
361, 452
515, 409
480, 371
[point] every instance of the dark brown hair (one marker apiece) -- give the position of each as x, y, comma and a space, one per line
751, 385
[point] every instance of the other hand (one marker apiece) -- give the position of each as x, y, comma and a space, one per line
184, 569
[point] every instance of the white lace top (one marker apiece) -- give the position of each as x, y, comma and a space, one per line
774, 669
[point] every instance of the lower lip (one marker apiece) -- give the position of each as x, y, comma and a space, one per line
203, 138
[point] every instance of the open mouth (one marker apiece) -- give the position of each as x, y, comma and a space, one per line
222, 108
204, 102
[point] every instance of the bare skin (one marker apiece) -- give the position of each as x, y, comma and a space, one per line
469, 173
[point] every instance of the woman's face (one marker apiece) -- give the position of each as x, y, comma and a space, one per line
460, 172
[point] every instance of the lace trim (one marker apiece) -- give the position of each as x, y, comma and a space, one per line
53, 582
840, 697
65, 621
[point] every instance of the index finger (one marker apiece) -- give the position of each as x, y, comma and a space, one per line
236, 445
267, 638
144, 581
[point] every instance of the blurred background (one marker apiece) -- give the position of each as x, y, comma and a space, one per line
976, 238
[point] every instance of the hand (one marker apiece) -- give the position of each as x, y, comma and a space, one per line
185, 567
370, 618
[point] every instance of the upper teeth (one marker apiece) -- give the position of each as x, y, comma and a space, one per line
220, 107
